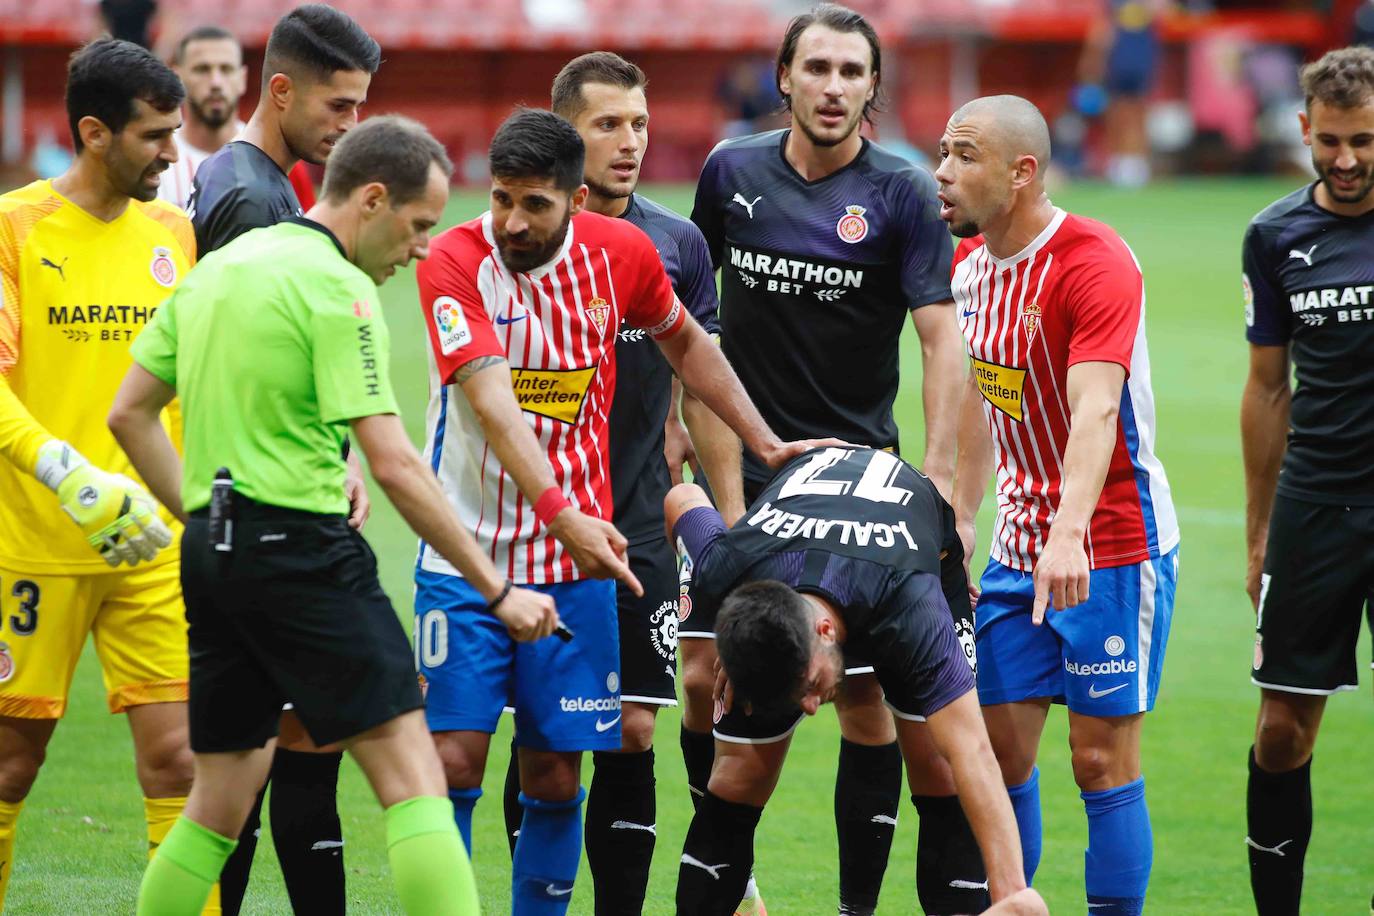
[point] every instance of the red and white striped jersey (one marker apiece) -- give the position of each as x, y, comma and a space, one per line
176, 181
1075, 294
556, 325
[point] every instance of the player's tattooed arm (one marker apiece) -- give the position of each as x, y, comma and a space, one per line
472, 367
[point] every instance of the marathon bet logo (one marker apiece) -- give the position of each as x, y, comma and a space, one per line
1352, 302
791, 276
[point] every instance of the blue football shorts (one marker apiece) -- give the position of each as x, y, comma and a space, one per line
566, 694
1101, 658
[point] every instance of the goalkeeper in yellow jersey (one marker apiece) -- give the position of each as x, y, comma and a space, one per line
85, 260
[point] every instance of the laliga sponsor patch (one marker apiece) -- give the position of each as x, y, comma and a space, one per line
1259, 653
1114, 646
852, 227
1248, 292
964, 631
163, 268
1002, 386
451, 324
553, 393
663, 629
6, 663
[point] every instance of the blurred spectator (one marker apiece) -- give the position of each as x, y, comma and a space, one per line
1117, 71
128, 19
748, 92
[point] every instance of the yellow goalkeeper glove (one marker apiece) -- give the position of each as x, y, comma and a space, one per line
117, 515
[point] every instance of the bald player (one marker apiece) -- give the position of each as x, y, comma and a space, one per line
1078, 594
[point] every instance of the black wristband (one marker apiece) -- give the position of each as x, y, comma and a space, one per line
494, 603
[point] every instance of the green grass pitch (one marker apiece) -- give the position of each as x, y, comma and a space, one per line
81, 843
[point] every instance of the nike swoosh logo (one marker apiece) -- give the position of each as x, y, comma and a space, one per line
557, 892
602, 726
1099, 694
501, 320
970, 313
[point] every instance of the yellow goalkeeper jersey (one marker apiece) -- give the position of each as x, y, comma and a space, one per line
76, 292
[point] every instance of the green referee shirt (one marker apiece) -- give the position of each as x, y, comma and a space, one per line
273, 343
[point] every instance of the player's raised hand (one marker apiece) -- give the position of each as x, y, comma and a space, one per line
784, 452
598, 549
1061, 576
527, 614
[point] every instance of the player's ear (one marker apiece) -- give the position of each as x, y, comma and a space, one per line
785, 80
95, 136
279, 89
1023, 171
579, 199
1306, 124
373, 198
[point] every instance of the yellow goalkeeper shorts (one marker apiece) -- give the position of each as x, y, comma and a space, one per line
136, 616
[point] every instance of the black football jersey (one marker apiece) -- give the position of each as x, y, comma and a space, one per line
1309, 285
870, 534
237, 189
817, 278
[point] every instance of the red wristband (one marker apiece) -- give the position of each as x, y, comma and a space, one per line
550, 503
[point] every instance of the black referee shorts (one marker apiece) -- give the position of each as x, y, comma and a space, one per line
1318, 579
294, 613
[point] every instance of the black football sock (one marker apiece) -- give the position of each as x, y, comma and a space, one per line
868, 792
513, 811
1278, 818
306, 829
233, 878
950, 877
717, 857
698, 754
620, 829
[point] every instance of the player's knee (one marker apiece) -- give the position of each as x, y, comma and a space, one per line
18, 770
636, 728
551, 777
1093, 768
698, 678
864, 719
166, 766
462, 767
1283, 742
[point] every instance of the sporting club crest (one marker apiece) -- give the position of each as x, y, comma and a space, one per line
852, 227
6, 663
598, 311
163, 268
1030, 316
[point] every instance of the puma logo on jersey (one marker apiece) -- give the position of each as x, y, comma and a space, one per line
1305, 258
747, 204
57, 267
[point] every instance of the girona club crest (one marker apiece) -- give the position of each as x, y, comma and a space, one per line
1030, 316
598, 311
163, 268
852, 227
6, 663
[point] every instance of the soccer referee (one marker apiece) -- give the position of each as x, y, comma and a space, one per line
276, 349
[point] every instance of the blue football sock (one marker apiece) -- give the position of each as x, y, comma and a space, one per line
1120, 850
1025, 804
464, 800
546, 856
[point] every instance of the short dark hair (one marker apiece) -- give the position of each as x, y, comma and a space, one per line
840, 19
533, 143
765, 640
1343, 78
390, 149
317, 41
202, 33
596, 67
104, 78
